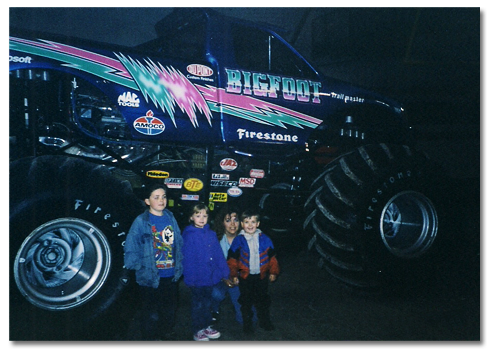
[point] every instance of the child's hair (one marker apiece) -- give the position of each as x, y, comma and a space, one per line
249, 213
149, 190
196, 208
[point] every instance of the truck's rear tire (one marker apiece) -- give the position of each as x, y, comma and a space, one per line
282, 217
68, 220
372, 215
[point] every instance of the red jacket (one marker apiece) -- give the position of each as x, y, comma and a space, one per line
239, 253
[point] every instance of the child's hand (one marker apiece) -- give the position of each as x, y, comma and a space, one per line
272, 278
235, 281
229, 283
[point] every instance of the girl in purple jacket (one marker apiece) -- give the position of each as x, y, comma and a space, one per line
204, 267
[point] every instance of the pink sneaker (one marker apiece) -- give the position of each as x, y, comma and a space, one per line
211, 333
201, 336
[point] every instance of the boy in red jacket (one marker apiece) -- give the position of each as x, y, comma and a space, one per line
252, 262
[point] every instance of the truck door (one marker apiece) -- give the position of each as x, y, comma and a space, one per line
271, 95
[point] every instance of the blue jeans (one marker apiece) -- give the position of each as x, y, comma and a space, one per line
201, 307
254, 293
219, 294
158, 309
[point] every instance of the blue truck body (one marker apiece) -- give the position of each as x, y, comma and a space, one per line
210, 98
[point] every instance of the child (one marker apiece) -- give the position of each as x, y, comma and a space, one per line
153, 249
204, 269
226, 225
252, 261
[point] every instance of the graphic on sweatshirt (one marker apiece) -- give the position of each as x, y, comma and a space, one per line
163, 244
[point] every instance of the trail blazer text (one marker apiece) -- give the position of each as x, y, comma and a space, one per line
267, 85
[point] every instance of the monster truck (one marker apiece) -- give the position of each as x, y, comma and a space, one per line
220, 111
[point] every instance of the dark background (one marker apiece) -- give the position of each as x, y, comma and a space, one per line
428, 59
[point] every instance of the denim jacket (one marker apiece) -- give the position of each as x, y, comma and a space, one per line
139, 253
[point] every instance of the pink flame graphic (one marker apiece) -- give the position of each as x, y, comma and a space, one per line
185, 94
252, 104
73, 51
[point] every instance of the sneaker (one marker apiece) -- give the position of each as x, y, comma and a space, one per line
201, 336
211, 333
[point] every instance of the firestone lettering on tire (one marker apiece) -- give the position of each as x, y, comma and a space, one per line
79, 204
379, 192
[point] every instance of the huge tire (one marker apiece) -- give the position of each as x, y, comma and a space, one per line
282, 215
68, 222
372, 215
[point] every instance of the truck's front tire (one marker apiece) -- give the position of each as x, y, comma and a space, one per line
68, 220
372, 215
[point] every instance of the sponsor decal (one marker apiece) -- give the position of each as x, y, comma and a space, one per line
199, 70
149, 125
266, 136
17, 59
191, 77
193, 185
220, 176
257, 173
246, 182
218, 197
157, 174
228, 164
175, 183
223, 183
234, 191
128, 99
190, 197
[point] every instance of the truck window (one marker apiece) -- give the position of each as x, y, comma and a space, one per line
187, 41
260, 51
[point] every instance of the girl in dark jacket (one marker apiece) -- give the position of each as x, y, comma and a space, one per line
204, 268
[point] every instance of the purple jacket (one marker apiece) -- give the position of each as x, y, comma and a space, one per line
203, 263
